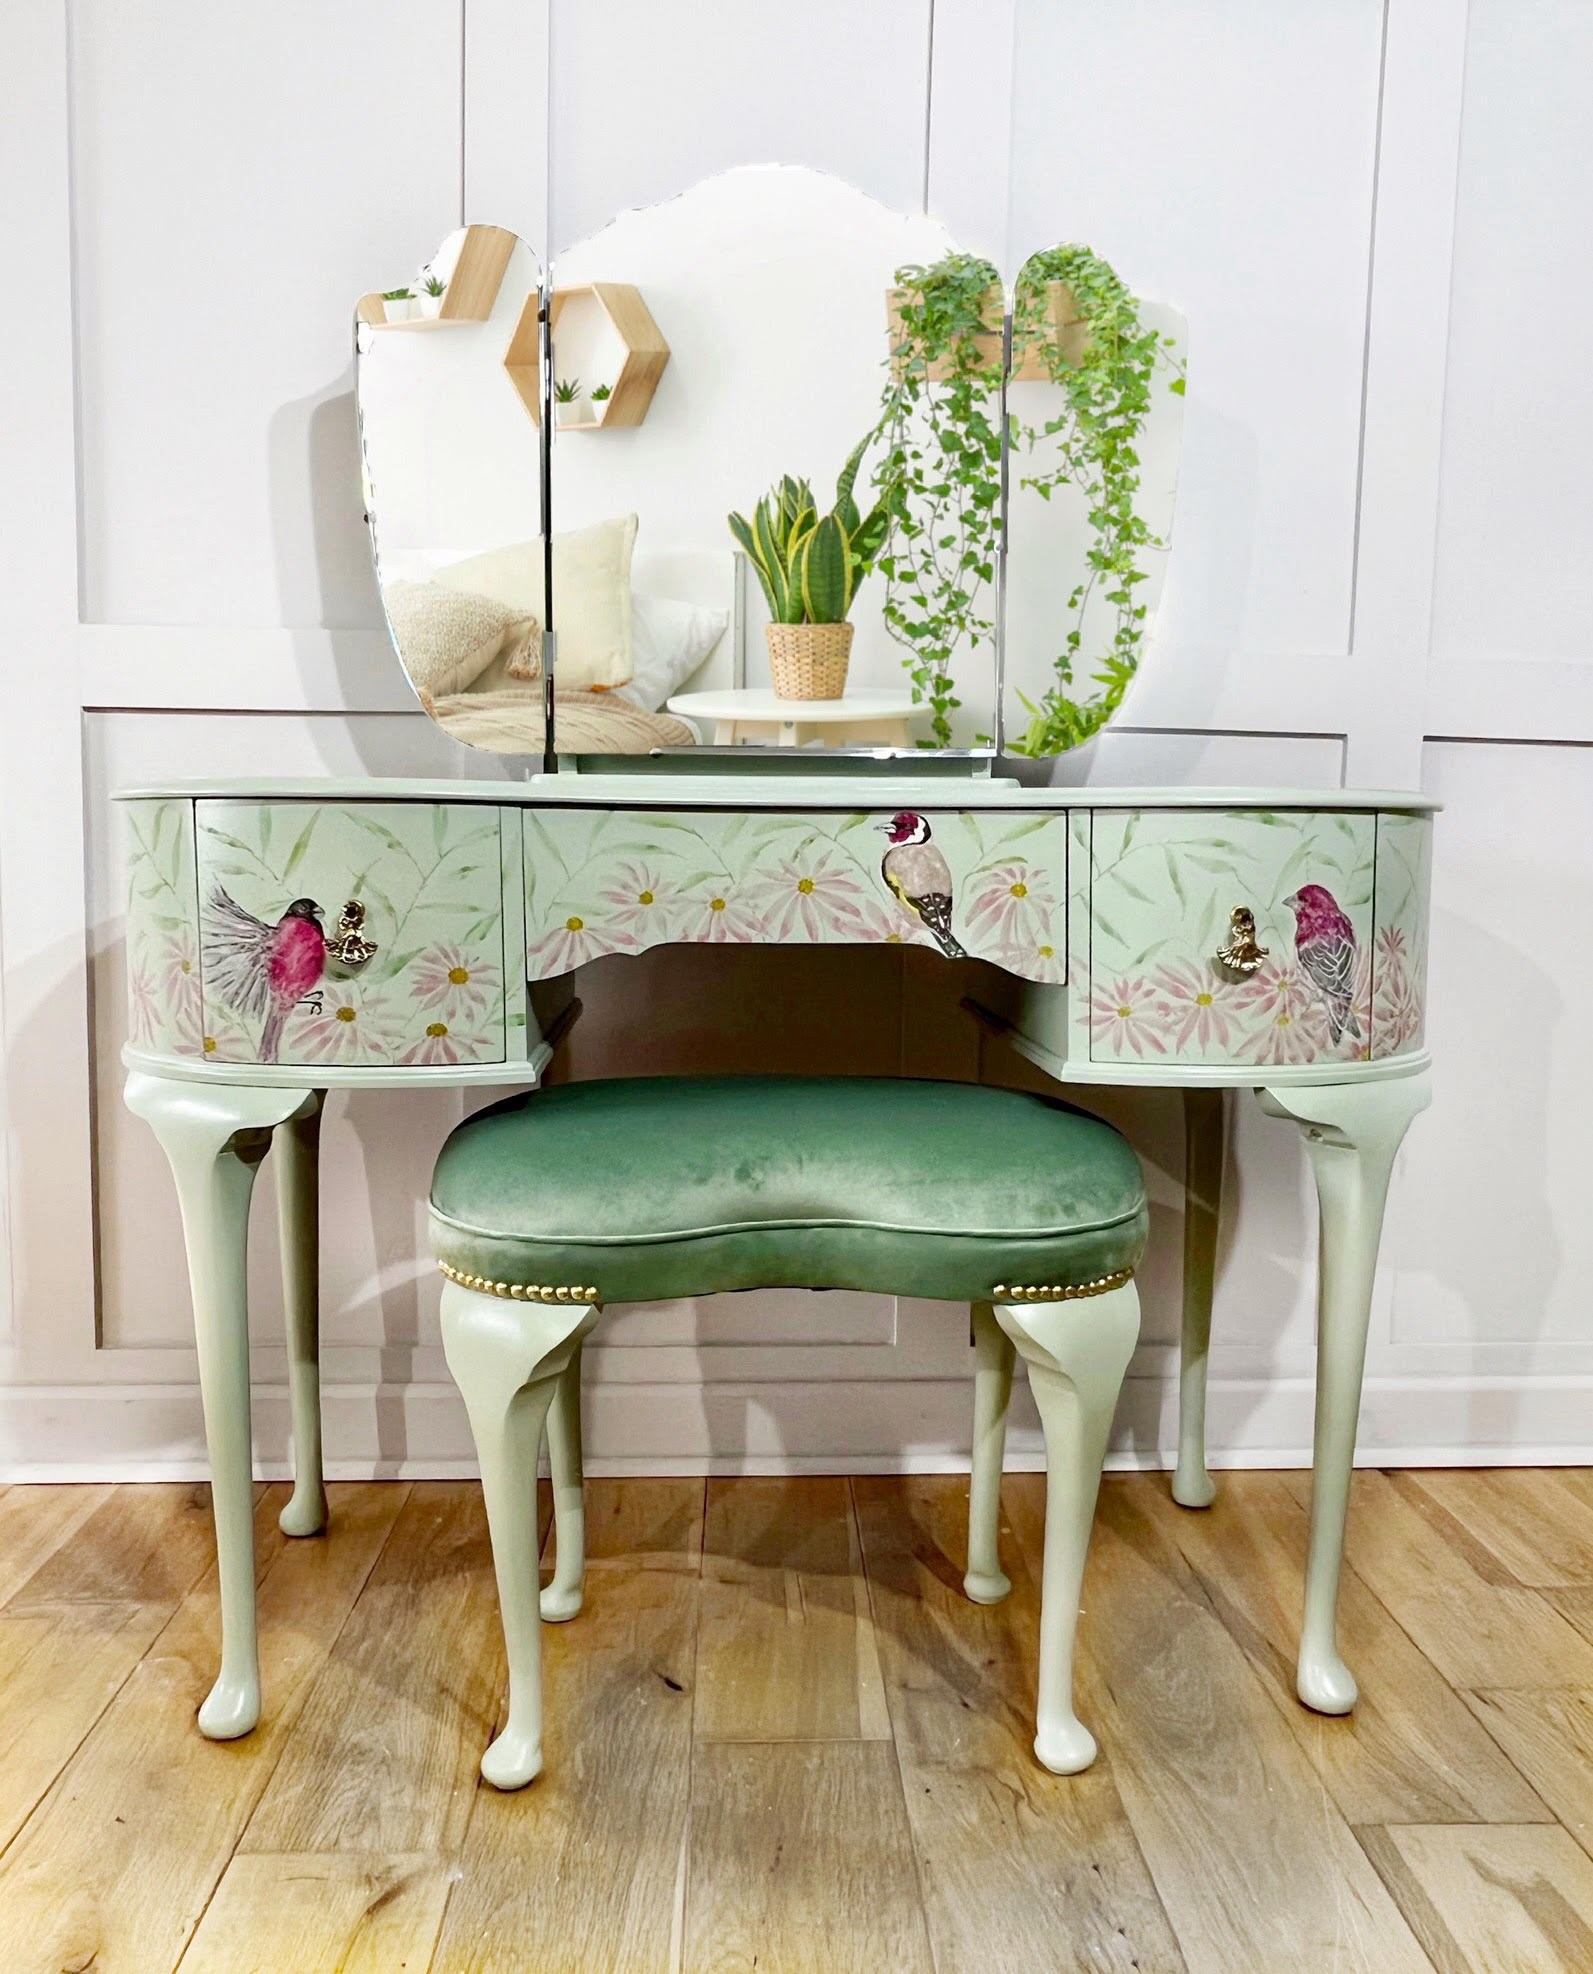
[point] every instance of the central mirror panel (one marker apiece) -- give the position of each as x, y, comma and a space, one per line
722, 374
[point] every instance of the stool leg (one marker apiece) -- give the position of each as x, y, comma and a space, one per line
561, 1599
507, 1358
1077, 1353
985, 1582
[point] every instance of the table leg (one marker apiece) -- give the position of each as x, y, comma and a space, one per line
724, 733
214, 1136
986, 1582
1352, 1132
1205, 1147
298, 1147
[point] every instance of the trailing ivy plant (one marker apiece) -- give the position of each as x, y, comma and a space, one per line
940, 472
1106, 388
939, 475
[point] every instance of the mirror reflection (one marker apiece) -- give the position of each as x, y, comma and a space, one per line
776, 449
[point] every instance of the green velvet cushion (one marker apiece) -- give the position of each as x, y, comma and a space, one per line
668, 1186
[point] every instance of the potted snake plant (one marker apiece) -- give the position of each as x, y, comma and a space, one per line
810, 566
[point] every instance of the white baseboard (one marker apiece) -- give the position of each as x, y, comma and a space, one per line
418, 1431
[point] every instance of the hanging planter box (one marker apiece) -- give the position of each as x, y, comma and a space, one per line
1067, 331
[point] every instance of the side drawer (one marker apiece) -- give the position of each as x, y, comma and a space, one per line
274, 879
618, 881
1163, 887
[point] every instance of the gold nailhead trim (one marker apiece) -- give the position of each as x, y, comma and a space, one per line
517, 1291
1060, 1292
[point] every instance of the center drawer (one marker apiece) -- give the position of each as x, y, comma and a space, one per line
958, 881
1165, 887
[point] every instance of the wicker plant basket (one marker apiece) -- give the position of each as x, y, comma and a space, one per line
809, 661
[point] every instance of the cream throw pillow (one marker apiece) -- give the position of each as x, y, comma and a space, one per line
591, 596
447, 637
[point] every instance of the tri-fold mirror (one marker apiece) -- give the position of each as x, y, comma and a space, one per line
814, 476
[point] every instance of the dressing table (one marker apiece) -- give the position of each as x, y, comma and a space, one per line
287, 939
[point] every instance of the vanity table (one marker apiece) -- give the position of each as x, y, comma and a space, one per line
1263, 940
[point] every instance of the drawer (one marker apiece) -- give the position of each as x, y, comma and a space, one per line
429, 877
619, 881
1163, 887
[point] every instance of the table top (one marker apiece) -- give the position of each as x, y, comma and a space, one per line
760, 703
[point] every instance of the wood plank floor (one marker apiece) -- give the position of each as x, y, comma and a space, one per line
779, 1738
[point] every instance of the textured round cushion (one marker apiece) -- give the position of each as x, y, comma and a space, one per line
649, 1187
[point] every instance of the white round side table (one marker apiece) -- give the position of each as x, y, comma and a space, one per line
862, 718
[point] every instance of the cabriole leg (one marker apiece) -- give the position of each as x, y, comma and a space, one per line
1352, 1132
214, 1137
507, 1358
297, 1141
1204, 1151
985, 1582
1077, 1353
561, 1598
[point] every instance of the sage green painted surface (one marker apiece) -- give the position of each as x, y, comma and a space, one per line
1352, 1133
214, 1139
297, 1144
603, 881
430, 878
165, 1002
1399, 963
1165, 883
1077, 1354
985, 1581
507, 1359
1205, 1152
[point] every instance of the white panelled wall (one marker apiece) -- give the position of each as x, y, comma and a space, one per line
1374, 214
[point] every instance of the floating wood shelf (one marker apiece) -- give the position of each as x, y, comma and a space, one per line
472, 287
1067, 331
610, 335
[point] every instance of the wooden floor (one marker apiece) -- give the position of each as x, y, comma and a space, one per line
780, 1738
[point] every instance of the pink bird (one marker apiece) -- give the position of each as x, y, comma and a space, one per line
260, 969
1326, 947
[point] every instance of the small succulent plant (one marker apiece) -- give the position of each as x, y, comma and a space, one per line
432, 286
567, 390
600, 393
398, 295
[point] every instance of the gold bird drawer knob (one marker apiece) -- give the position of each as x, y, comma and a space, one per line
1241, 953
348, 946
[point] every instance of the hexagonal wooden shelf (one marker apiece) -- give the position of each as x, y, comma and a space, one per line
609, 337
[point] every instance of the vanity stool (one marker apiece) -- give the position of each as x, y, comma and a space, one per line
549, 1206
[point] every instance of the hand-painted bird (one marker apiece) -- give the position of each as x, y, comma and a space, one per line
921, 879
260, 969
1326, 947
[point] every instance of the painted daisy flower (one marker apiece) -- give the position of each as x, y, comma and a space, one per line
638, 900
347, 1029
1033, 959
818, 894
1124, 1015
1199, 1010
715, 915
1014, 903
226, 1039
437, 1044
143, 1004
453, 981
572, 941
179, 973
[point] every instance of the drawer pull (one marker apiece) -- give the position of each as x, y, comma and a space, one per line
1241, 953
348, 947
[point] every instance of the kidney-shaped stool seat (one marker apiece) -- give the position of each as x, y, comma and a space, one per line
549, 1206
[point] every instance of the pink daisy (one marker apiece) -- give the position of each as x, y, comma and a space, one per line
1124, 1016
637, 899
1009, 901
347, 1029
714, 916
1199, 1009
1032, 959
818, 894
436, 1045
143, 1006
453, 981
179, 974
571, 943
